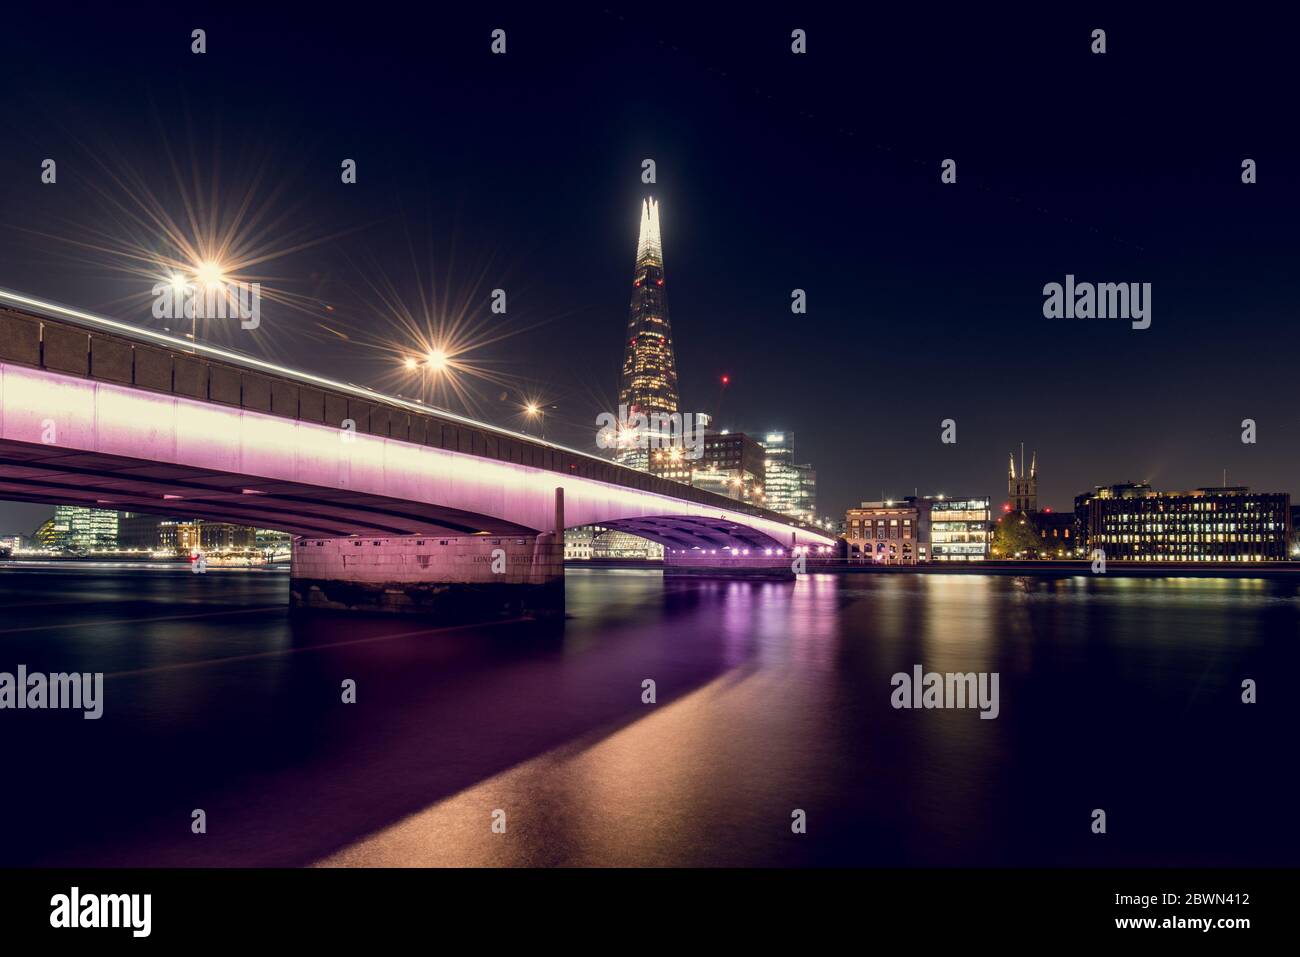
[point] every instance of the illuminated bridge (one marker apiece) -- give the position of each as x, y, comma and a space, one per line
392, 504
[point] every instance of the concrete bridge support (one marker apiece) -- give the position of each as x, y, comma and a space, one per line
452, 578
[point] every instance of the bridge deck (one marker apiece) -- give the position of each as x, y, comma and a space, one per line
69, 341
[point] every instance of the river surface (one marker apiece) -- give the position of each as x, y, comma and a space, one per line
1118, 694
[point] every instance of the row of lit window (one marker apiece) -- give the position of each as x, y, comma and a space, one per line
1147, 506
1201, 558
1145, 529
1187, 538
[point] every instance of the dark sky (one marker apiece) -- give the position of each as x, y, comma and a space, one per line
775, 171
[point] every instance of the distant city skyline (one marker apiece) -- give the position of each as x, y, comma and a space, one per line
13, 512
81, 528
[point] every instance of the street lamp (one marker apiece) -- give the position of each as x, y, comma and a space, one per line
210, 274
410, 363
535, 411
434, 359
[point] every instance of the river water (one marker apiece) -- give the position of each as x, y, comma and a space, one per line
1118, 694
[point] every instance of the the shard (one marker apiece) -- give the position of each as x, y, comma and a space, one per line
649, 384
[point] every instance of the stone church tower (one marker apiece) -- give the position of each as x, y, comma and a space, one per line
1022, 489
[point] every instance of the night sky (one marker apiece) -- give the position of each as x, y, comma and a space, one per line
775, 172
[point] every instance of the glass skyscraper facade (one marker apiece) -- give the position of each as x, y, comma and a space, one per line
649, 385
88, 528
806, 507
782, 481
790, 487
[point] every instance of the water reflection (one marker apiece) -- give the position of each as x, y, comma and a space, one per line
771, 697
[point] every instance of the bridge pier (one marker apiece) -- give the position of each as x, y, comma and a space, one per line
745, 564
455, 579
466, 578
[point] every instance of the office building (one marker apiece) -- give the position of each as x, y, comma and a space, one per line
180, 538
789, 487
1210, 524
86, 529
578, 543
136, 531
731, 464
52, 533
960, 529
889, 532
806, 505
222, 536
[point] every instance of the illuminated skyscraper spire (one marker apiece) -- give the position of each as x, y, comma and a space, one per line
649, 248
649, 383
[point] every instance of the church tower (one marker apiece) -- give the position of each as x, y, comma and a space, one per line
1022, 488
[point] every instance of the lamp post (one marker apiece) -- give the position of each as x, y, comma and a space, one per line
411, 364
